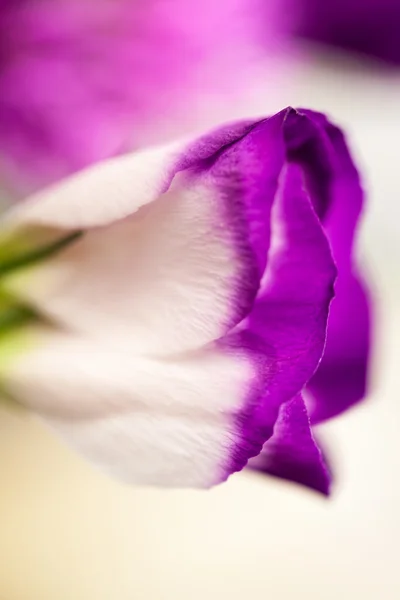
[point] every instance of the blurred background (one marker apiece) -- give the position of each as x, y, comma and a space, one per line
67, 531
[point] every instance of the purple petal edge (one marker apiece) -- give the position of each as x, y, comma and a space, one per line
341, 379
292, 453
316, 210
284, 334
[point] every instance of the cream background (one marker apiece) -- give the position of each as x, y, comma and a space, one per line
69, 533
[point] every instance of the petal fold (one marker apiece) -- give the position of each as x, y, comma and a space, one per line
285, 333
185, 265
292, 452
174, 336
341, 379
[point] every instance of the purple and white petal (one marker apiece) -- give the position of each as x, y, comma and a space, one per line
285, 332
193, 307
162, 421
194, 418
185, 266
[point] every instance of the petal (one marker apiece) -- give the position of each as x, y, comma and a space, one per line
144, 420
265, 302
292, 452
341, 379
181, 271
97, 196
200, 427
195, 418
285, 332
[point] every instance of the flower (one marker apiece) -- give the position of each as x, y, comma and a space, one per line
367, 26
83, 80
166, 311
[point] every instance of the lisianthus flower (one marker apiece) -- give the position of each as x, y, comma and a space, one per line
166, 311
370, 27
83, 80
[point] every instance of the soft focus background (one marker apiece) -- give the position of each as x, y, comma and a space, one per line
67, 532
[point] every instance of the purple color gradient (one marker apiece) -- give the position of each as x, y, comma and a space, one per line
369, 27
295, 197
341, 379
292, 452
83, 80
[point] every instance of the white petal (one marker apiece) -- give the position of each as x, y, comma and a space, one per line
164, 422
98, 195
175, 244
171, 275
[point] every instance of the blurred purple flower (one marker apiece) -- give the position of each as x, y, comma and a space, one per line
173, 314
367, 26
82, 80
